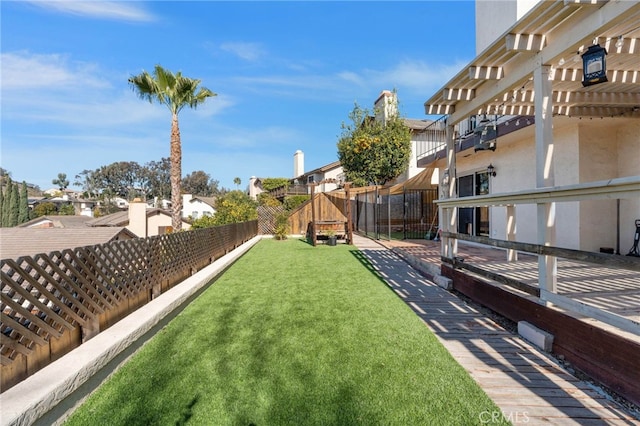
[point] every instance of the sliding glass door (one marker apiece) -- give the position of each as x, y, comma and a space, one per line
473, 220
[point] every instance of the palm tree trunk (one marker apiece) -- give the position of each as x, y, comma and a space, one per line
176, 174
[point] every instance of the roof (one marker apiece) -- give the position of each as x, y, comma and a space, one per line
553, 33
210, 201
76, 221
120, 218
18, 242
323, 169
415, 124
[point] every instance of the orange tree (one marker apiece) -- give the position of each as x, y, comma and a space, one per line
373, 152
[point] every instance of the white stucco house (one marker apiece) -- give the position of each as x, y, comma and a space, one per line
552, 131
540, 148
196, 206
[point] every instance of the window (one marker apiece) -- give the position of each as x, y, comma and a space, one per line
310, 179
473, 220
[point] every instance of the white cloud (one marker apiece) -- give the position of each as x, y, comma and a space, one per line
25, 70
115, 10
416, 76
247, 51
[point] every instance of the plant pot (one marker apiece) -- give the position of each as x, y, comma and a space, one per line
332, 240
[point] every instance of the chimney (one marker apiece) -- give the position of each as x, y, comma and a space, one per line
138, 218
386, 105
298, 164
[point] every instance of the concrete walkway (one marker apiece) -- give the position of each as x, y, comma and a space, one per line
528, 385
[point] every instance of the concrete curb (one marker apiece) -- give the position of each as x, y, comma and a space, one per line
430, 270
51, 394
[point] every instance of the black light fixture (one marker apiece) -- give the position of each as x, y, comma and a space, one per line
594, 65
485, 135
491, 171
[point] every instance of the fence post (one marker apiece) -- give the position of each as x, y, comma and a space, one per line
90, 329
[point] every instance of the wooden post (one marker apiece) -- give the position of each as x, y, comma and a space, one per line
546, 212
313, 214
449, 246
347, 188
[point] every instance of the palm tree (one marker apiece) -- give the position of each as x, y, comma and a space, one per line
237, 182
175, 92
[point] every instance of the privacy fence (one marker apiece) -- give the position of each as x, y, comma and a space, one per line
52, 303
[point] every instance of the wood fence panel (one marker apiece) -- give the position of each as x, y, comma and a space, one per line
50, 302
328, 208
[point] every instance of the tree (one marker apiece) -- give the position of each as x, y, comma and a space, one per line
6, 204
199, 183
237, 182
269, 184
23, 208
86, 179
155, 177
175, 92
66, 210
266, 199
372, 152
122, 178
62, 182
233, 207
45, 209
14, 212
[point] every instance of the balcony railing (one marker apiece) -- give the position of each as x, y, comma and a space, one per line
285, 190
432, 139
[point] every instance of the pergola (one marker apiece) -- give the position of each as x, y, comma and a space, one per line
536, 68
550, 39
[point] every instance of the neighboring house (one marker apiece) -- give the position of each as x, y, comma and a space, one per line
18, 241
196, 207
122, 203
327, 178
551, 129
140, 220
77, 221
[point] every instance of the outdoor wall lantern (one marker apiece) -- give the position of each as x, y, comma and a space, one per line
485, 135
594, 66
491, 171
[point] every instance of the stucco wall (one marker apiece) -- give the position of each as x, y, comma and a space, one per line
628, 137
494, 17
584, 151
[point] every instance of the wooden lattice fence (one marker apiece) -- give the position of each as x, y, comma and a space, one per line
53, 302
267, 218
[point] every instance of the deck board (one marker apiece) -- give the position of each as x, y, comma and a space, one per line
528, 385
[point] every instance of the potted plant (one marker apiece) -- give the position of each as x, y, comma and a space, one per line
332, 239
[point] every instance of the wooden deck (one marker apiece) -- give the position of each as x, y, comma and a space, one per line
528, 385
610, 289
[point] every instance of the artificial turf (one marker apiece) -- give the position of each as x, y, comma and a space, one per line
291, 334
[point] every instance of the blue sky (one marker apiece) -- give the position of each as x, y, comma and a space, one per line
287, 74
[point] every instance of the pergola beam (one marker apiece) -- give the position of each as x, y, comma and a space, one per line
485, 73
458, 94
525, 42
567, 34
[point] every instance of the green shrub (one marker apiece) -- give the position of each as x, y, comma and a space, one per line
282, 226
292, 202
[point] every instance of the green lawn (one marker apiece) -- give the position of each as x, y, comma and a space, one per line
291, 335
